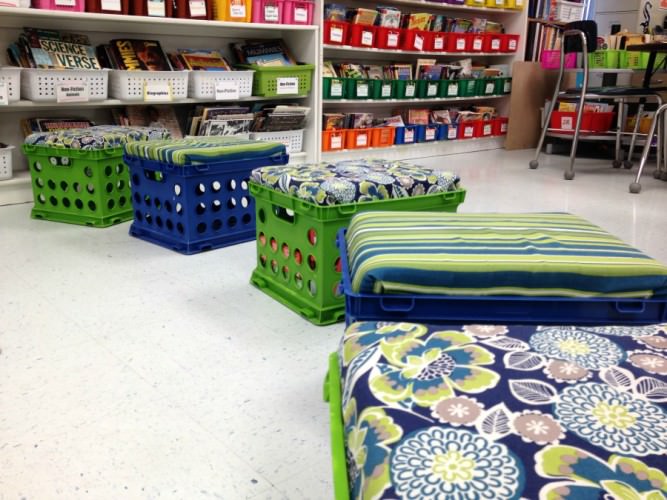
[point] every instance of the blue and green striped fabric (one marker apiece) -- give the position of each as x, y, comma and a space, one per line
542, 254
203, 150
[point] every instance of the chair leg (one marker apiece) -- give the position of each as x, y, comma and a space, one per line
618, 156
536, 161
636, 187
633, 140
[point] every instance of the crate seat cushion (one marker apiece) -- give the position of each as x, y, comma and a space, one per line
496, 254
200, 151
355, 181
95, 138
504, 412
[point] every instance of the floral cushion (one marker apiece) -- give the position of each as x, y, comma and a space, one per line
355, 181
482, 411
94, 138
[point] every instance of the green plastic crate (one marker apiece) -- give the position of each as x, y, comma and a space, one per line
428, 89
298, 263
89, 188
333, 394
359, 88
406, 89
449, 88
270, 81
633, 60
604, 59
383, 89
659, 59
486, 86
467, 88
503, 86
334, 88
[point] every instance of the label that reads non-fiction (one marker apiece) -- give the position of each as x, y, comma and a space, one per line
477, 44
460, 44
362, 89
409, 135
386, 90
4, 95
438, 43
489, 88
392, 40
237, 11
157, 91
431, 89
452, 90
336, 34
271, 13
362, 139
336, 142
451, 133
367, 38
430, 134
336, 88
72, 92
287, 85
226, 90
112, 5
495, 44
410, 90
300, 15
197, 8
418, 43
487, 129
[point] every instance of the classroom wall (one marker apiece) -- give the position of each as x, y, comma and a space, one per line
656, 10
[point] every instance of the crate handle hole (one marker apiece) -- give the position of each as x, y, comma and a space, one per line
261, 215
108, 170
167, 206
274, 266
64, 186
122, 201
169, 224
283, 214
231, 222
201, 209
274, 244
88, 171
201, 227
109, 187
312, 287
51, 184
231, 203
285, 250
158, 221
285, 273
78, 204
137, 215
312, 236
66, 202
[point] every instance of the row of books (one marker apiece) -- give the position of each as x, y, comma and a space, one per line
411, 116
234, 120
390, 17
424, 69
51, 49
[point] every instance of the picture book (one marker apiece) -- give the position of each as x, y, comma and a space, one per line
374, 72
134, 55
154, 116
418, 21
333, 121
203, 60
50, 49
232, 125
328, 70
264, 53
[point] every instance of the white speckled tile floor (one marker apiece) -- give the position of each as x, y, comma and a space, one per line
130, 371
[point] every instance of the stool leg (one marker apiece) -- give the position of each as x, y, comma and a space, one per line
633, 140
536, 161
636, 187
618, 158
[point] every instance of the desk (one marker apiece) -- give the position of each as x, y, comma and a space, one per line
653, 48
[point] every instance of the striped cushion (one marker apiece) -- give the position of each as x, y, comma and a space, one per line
553, 254
204, 150
95, 138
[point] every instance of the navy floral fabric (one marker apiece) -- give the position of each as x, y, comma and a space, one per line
355, 181
505, 412
95, 138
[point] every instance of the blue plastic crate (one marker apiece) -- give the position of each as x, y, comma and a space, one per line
406, 135
442, 309
429, 133
194, 208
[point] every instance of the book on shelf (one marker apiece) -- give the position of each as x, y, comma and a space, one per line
149, 116
263, 53
52, 49
135, 55
203, 60
30, 125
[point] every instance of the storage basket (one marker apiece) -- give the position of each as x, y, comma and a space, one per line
438, 42
503, 86
416, 40
486, 86
407, 134
449, 89
6, 163
334, 88
428, 133
550, 59
298, 11
359, 88
428, 89
493, 42
383, 137
267, 11
486, 128
136, 85
239, 11
41, 85
632, 60
500, 126
565, 121
510, 43
335, 32
467, 87
11, 79
406, 89
459, 42
566, 12
298, 263
477, 42
388, 38
358, 138
271, 81
193, 208
220, 85
333, 140
468, 130
383, 89
292, 139
68, 5
361, 35
604, 59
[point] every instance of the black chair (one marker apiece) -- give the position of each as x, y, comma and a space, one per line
581, 36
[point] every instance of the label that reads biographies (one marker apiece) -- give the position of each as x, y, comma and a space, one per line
197, 8
112, 5
271, 14
336, 34
72, 92
157, 91
287, 85
4, 95
226, 91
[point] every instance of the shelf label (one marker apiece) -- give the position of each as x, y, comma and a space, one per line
477, 44
112, 5
519, 3
489, 88
392, 40
157, 91
460, 44
156, 8
409, 135
500, 3
226, 90
362, 89
72, 92
468, 131
431, 89
336, 34
336, 141
503, 128
287, 85
4, 95
362, 139
487, 129
336, 88
452, 89
451, 133
512, 45
507, 87
410, 90
271, 13
438, 43
237, 11
566, 123
419, 42
367, 38
301, 15
386, 90
430, 134
66, 3
495, 44
197, 8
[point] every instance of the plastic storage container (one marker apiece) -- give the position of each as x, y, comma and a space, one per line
428, 133
564, 121
11, 78
383, 89
477, 42
361, 35
192, 208
486, 128
510, 43
438, 42
292, 139
633, 60
271, 81
157, 86
69, 5
500, 126
468, 130
6, 163
388, 38
358, 138
416, 40
550, 59
41, 85
486, 86
406, 89
459, 42
220, 85
334, 88
359, 88
83, 186
604, 59
467, 87
407, 134
493, 42
298, 11
239, 11
108, 6
267, 11
335, 32
449, 88
298, 263
428, 89
333, 140
382, 137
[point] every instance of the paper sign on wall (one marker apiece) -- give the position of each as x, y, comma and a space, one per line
226, 91
4, 95
72, 92
197, 8
157, 91
287, 85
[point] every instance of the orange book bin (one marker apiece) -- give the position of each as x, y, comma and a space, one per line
358, 138
383, 137
333, 140
239, 11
